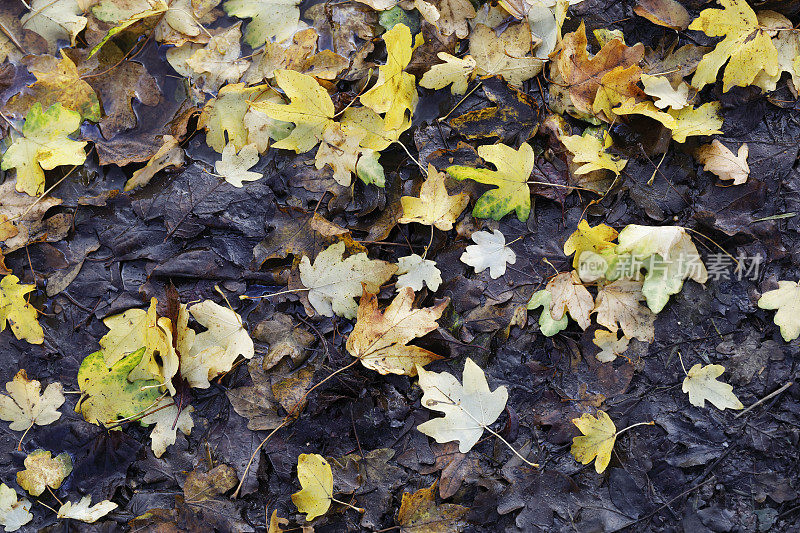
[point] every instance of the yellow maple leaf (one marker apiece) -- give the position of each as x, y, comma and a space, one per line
24, 407
395, 92
586, 238
434, 207
591, 151
17, 312
42, 470
454, 70
701, 384
316, 478
597, 441
310, 107
380, 339
747, 47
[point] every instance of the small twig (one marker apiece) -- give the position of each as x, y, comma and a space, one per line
765, 398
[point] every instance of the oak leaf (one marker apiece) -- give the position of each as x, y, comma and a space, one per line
701, 384
514, 169
469, 408
719, 159
380, 339
334, 281
24, 406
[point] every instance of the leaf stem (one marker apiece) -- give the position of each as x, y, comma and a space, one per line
621, 431
359, 509
250, 462
504, 441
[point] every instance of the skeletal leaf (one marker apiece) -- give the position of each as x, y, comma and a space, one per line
547, 325
14, 512
42, 470
234, 167
514, 169
597, 441
19, 314
747, 46
586, 238
454, 70
592, 152
380, 339
419, 513
468, 408
435, 206
84, 511
44, 145
334, 281
569, 294
701, 384
415, 272
719, 159
610, 344
395, 92
24, 407
316, 480
786, 300
489, 251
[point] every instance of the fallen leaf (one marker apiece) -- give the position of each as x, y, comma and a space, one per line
618, 302
701, 384
14, 513
664, 94
223, 117
514, 169
22, 219
17, 312
107, 393
547, 325
24, 407
380, 339
435, 206
595, 239
667, 13
450, 16
569, 294
285, 338
44, 145
218, 62
201, 485
169, 155
506, 54
234, 167
702, 120
42, 470
454, 70
83, 512
395, 92
597, 441
469, 408
270, 19
168, 419
610, 345
489, 251
334, 282
747, 46
316, 480
54, 20
419, 513
786, 300
592, 152
415, 272
719, 159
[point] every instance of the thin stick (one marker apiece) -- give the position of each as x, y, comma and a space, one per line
250, 462
287, 291
765, 398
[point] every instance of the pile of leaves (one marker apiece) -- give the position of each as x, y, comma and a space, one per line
375, 265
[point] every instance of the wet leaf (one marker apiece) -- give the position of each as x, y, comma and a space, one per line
234, 167
24, 406
786, 300
719, 159
270, 19
569, 294
42, 470
316, 478
419, 513
415, 272
84, 512
17, 312
435, 206
701, 384
547, 325
489, 251
14, 513
597, 441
